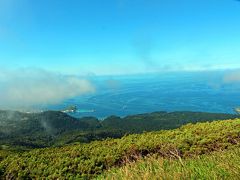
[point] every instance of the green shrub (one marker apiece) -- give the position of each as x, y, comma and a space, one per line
89, 160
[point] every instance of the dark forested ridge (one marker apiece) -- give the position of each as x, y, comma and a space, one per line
37, 130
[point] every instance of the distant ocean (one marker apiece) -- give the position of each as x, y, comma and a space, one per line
127, 95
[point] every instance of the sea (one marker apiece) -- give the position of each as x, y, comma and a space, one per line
127, 95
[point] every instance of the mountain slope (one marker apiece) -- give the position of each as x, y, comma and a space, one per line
36, 129
89, 160
161, 120
217, 165
45, 129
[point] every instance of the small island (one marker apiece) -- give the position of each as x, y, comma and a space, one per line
70, 109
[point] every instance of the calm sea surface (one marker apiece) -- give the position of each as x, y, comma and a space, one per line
126, 95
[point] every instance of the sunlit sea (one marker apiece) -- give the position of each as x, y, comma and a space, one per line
127, 95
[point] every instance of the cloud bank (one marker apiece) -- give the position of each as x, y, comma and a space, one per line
28, 88
232, 77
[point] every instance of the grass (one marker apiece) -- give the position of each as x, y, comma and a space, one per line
3, 154
218, 165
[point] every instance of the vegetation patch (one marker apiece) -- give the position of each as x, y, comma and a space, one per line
90, 160
218, 165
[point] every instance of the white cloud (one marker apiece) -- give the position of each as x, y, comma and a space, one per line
26, 88
232, 77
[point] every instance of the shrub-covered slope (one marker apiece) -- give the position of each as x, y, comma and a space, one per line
89, 160
217, 165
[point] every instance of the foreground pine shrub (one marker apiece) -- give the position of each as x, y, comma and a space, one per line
90, 160
218, 165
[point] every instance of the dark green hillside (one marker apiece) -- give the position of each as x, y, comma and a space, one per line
45, 129
160, 120
51, 122
37, 129
89, 160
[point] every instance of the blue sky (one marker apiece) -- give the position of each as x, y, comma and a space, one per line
120, 36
